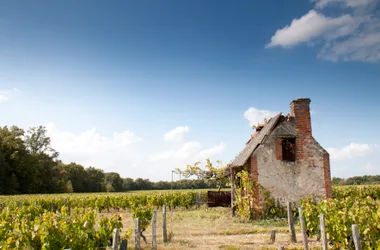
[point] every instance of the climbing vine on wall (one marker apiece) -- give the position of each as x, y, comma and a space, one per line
253, 201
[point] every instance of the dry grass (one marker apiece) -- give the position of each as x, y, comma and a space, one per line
214, 228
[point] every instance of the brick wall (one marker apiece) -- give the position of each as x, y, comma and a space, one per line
300, 109
326, 169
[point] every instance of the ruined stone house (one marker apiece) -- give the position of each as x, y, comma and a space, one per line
285, 159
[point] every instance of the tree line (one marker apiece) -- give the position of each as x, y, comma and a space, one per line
357, 180
28, 165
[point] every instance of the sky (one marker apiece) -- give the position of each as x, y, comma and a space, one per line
145, 87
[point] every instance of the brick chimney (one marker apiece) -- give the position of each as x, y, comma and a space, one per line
300, 110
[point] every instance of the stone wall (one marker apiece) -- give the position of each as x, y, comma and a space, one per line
291, 180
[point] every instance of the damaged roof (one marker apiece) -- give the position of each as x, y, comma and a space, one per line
254, 142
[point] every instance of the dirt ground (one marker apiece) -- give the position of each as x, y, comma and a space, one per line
214, 228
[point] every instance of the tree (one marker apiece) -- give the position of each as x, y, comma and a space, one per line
78, 177
113, 182
211, 174
15, 173
96, 179
37, 142
128, 184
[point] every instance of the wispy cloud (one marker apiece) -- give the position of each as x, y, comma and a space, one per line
5, 95
176, 134
348, 3
352, 35
255, 115
351, 151
127, 153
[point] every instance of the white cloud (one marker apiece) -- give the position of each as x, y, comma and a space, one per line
188, 152
89, 142
176, 134
369, 166
352, 35
3, 97
349, 3
119, 152
310, 26
351, 151
355, 160
206, 153
255, 116
127, 153
365, 48
185, 151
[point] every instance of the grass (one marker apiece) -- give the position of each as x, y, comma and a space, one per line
214, 228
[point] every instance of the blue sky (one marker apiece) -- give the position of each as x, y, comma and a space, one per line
111, 79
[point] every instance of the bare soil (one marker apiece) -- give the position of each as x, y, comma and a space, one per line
215, 228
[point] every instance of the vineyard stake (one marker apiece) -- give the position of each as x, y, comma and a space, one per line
164, 224
356, 236
303, 229
124, 245
137, 234
154, 218
291, 224
323, 231
115, 239
272, 236
232, 179
198, 198
108, 204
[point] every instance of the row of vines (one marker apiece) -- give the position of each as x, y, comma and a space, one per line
350, 205
101, 202
75, 221
32, 227
340, 215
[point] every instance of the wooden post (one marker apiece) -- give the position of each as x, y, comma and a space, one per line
124, 245
232, 179
137, 234
154, 218
52, 206
291, 224
356, 237
303, 229
198, 200
164, 224
272, 236
323, 231
108, 204
115, 239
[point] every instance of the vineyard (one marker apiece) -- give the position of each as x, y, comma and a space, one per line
86, 221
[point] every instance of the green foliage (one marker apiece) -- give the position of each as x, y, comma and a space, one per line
340, 215
253, 201
144, 213
210, 173
360, 192
32, 227
357, 180
27, 221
